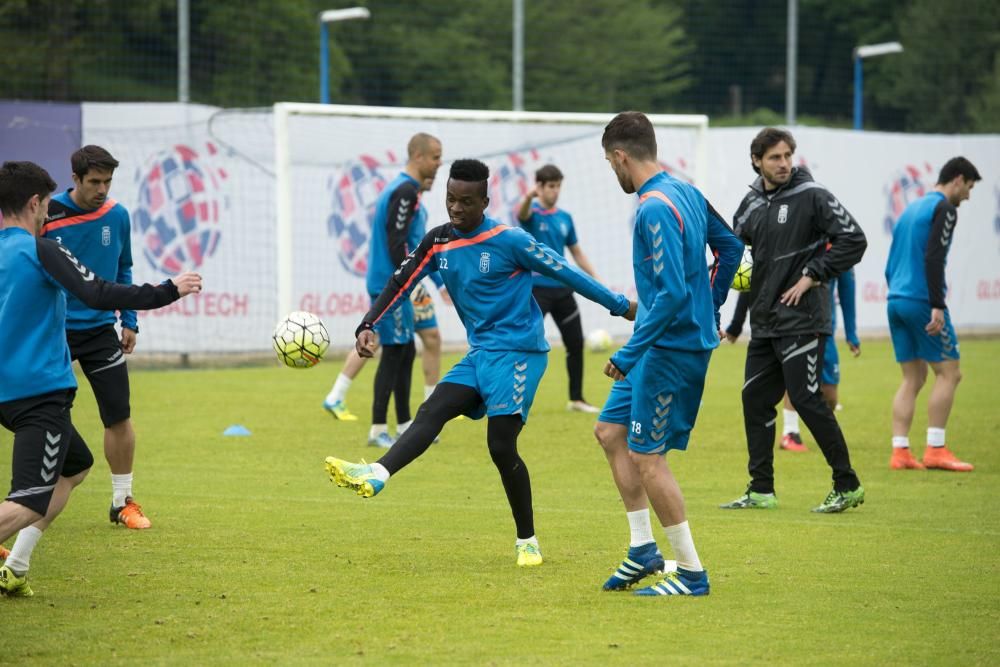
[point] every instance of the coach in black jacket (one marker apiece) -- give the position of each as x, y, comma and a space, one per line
801, 237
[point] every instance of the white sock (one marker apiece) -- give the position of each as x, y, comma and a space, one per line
640, 526
381, 473
680, 540
121, 488
376, 430
428, 390
791, 422
527, 540
20, 554
935, 437
401, 428
339, 390
900, 442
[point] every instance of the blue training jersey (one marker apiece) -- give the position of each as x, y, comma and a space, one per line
553, 227
34, 273
488, 274
101, 239
921, 239
397, 211
673, 225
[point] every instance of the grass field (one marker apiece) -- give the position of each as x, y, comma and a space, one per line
255, 557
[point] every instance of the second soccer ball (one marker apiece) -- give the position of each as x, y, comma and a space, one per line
741, 280
599, 340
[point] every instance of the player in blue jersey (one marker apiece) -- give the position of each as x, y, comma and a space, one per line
37, 385
554, 227
96, 229
666, 359
486, 267
919, 322
397, 214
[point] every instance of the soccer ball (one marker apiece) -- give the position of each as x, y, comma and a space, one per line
300, 340
741, 280
599, 340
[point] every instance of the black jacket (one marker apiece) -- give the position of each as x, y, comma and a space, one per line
800, 225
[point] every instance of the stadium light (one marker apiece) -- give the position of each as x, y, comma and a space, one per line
333, 16
860, 53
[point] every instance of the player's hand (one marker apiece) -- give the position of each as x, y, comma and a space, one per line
855, 349
792, 296
445, 296
937, 322
366, 344
629, 315
187, 283
612, 371
128, 340
730, 338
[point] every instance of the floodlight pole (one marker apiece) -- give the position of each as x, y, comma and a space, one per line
183, 51
333, 16
791, 61
517, 80
860, 53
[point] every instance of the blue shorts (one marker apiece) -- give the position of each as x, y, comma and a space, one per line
907, 319
831, 363
618, 408
423, 309
396, 328
506, 381
663, 413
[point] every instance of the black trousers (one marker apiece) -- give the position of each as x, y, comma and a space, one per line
561, 304
793, 363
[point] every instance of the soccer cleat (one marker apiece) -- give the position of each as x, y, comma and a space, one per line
681, 582
941, 458
357, 476
4, 553
129, 515
14, 586
838, 501
338, 409
751, 500
582, 406
793, 443
902, 459
639, 562
528, 555
383, 440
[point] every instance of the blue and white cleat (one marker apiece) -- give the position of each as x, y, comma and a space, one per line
639, 562
681, 582
382, 440
338, 409
357, 476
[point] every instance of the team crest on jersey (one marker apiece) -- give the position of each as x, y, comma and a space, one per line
484, 262
105, 235
783, 214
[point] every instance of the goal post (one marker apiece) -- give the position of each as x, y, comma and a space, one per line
331, 161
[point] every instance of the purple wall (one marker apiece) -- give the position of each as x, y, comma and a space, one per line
45, 133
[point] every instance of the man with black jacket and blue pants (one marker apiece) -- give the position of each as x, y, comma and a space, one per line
37, 385
801, 238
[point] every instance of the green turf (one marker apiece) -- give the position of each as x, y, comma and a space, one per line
255, 557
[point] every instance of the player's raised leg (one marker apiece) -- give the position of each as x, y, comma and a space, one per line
336, 400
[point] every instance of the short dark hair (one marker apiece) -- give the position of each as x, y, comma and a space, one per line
548, 174
92, 157
470, 171
632, 132
958, 166
19, 182
766, 139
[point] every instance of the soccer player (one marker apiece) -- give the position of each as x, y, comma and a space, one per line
800, 237
487, 268
37, 385
919, 322
554, 227
96, 229
392, 237
666, 359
